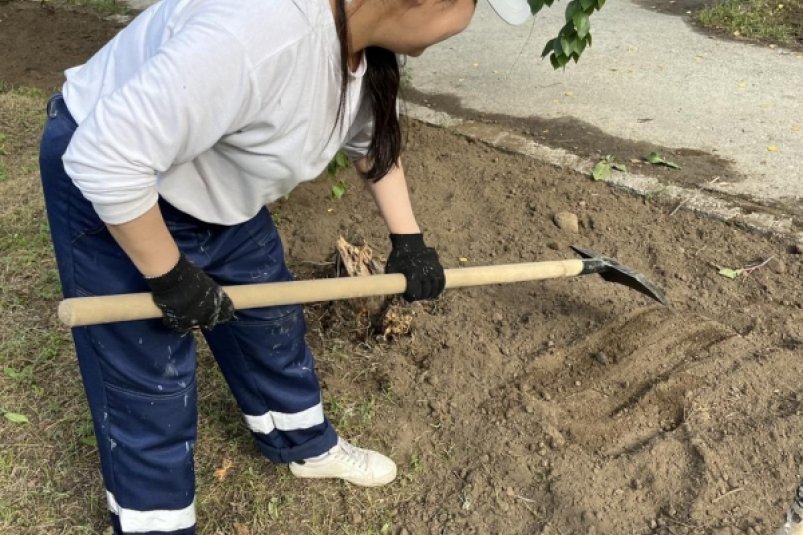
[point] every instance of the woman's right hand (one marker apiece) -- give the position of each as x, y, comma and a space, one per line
189, 298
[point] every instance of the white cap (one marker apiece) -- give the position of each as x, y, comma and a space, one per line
513, 12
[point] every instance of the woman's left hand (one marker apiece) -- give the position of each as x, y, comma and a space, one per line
419, 264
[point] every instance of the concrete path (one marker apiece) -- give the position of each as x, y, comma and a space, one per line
739, 101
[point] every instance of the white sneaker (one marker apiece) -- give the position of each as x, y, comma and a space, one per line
362, 467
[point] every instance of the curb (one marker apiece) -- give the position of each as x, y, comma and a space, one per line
695, 200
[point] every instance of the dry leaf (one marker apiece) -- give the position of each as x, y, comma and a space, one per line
241, 529
772, 148
223, 471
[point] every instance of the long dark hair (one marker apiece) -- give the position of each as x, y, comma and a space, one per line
381, 84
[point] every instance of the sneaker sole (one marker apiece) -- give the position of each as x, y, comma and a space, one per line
354, 481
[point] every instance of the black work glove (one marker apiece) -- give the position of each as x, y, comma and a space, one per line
189, 298
419, 264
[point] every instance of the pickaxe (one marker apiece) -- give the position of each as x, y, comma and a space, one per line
80, 311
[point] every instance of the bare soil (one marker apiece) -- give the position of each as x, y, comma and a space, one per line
571, 406
38, 42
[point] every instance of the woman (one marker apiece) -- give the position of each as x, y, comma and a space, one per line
157, 161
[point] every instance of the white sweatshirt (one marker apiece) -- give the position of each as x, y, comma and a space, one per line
220, 106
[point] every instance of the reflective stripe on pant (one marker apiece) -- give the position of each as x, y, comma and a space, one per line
139, 376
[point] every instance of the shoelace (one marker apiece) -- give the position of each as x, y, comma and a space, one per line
353, 455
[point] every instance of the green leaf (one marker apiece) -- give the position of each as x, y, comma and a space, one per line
602, 170
556, 48
12, 373
15, 417
572, 8
730, 273
338, 190
548, 48
385, 529
581, 23
600, 3
553, 59
273, 508
89, 441
587, 4
338, 163
580, 45
535, 6
656, 159
567, 45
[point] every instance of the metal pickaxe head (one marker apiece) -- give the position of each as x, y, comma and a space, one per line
611, 270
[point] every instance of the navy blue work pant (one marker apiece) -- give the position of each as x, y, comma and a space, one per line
139, 376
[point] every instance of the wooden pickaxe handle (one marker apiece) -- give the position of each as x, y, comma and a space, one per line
80, 311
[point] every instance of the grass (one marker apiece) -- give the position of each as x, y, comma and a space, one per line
49, 472
772, 21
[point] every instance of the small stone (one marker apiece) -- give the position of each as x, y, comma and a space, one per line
602, 358
404, 531
555, 246
567, 221
653, 524
556, 440
498, 317
777, 266
510, 492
